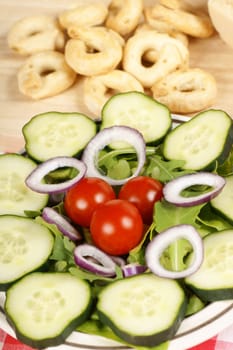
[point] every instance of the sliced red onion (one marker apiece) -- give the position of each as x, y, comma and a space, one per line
106, 137
133, 269
85, 256
34, 180
51, 216
160, 242
118, 260
173, 189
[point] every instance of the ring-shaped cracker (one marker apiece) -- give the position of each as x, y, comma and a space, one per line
45, 74
124, 15
74, 32
194, 24
98, 89
96, 50
172, 54
35, 34
152, 55
152, 20
187, 91
84, 15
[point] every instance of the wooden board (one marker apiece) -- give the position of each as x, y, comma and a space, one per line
15, 109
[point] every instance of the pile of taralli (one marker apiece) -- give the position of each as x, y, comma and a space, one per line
123, 46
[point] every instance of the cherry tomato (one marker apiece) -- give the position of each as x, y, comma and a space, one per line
143, 192
82, 199
116, 227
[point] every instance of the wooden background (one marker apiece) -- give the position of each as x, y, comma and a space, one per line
15, 109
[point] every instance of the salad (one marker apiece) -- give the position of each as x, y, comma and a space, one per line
119, 227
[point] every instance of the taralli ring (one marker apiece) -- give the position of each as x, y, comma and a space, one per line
45, 74
174, 34
186, 91
35, 34
152, 55
158, 24
171, 55
74, 32
98, 89
96, 50
194, 24
124, 15
84, 16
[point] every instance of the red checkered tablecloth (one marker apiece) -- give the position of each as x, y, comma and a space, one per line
223, 341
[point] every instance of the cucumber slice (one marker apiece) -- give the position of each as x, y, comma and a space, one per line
15, 196
24, 247
55, 134
200, 142
143, 310
44, 308
139, 111
214, 280
223, 203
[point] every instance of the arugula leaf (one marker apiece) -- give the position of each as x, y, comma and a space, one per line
195, 304
211, 220
167, 215
119, 170
117, 163
226, 168
137, 254
32, 213
96, 327
86, 275
163, 170
62, 249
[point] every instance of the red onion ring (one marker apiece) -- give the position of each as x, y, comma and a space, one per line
53, 217
133, 269
160, 242
104, 265
118, 260
104, 138
34, 179
172, 190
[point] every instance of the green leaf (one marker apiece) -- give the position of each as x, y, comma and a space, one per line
96, 327
32, 214
210, 219
137, 254
120, 169
195, 304
63, 248
163, 170
167, 215
86, 275
226, 168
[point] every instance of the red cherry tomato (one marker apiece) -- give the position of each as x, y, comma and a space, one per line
82, 199
116, 227
143, 192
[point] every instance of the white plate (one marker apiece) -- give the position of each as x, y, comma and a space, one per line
194, 329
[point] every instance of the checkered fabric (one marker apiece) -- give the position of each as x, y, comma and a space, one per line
223, 341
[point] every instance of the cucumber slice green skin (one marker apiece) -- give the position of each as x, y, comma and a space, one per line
223, 203
147, 285
202, 142
36, 307
53, 134
218, 257
140, 111
25, 246
15, 196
